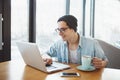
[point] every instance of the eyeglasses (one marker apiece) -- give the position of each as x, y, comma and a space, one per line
61, 30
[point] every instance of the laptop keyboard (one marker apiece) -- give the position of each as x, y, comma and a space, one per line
50, 67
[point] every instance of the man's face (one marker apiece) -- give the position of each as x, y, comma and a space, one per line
64, 31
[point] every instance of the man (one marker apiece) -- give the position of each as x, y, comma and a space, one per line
73, 45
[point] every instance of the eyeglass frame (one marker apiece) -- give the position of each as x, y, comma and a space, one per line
61, 29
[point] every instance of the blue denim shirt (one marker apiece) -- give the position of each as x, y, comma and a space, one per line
87, 46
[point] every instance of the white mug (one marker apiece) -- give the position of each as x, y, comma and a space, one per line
86, 61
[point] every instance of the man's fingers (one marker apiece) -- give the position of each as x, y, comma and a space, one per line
47, 60
97, 62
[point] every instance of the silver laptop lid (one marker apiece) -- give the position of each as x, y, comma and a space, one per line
31, 55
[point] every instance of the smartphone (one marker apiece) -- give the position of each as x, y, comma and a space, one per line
69, 74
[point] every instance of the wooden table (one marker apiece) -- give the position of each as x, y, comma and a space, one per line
17, 70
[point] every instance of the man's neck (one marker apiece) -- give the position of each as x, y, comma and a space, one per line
74, 39
73, 43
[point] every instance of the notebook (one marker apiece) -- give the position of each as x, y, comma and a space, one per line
32, 57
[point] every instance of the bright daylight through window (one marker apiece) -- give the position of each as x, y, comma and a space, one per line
47, 12
107, 21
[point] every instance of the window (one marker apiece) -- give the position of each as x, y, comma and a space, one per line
76, 10
47, 14
19, 24
19, 20
87, 18
107, 17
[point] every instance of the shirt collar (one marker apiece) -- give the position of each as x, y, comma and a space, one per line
80, 41
65, 43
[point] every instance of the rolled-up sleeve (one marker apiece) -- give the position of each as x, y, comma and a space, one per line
52, 51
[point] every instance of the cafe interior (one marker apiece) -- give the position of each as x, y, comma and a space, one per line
35, 21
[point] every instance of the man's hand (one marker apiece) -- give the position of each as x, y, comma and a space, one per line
47, 61
98, 63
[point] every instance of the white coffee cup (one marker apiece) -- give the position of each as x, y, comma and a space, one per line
86, 61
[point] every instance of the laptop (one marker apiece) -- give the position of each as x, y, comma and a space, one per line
32, 57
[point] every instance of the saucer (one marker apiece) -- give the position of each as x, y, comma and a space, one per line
91, 68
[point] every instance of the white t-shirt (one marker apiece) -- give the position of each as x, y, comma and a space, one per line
73, 56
